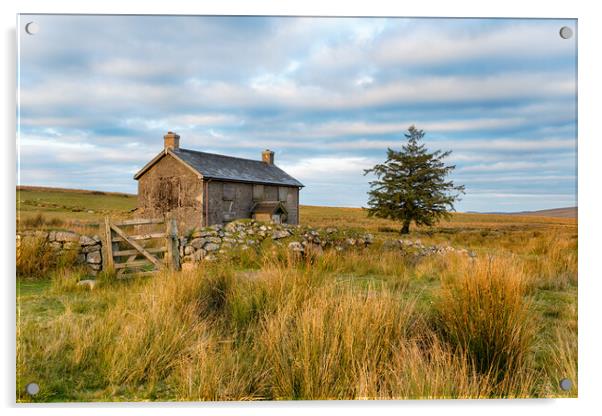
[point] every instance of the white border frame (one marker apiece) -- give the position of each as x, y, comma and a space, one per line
590, 229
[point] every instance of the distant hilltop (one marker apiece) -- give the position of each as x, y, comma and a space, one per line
568, 212
69, 190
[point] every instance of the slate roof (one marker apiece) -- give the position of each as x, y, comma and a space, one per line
214, 166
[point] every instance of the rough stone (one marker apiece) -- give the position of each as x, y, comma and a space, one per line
43, 235
278, 234
71, 245
94, 257
66, 236
296, 246
90, 249
88, 284
84, 240
199, 255
211, 247
213, 240
198, 242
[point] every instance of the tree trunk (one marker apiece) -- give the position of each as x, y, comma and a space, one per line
405, 229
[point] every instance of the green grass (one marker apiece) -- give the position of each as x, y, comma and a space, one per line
71, 205
29, 287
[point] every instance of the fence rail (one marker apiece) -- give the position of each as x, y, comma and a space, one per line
141, 258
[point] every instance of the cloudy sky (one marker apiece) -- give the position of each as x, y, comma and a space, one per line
328, 95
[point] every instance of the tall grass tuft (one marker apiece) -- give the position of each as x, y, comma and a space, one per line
40, 221
553, 262
36, 258
329, 346
482, 312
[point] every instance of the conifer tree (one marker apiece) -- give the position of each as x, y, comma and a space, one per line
412, 185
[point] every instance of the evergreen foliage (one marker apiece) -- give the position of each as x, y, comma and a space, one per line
411, 185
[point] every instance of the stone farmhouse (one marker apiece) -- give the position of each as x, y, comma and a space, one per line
202, 189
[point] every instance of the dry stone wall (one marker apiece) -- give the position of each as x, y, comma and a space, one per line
87, 250
209, 243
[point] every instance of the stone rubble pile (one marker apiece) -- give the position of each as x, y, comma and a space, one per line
417, 248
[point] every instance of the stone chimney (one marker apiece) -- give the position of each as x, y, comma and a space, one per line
172, 140
267, 156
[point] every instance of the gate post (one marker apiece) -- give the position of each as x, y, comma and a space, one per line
107, 255
172, 243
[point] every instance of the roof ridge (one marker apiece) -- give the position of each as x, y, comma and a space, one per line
229, 157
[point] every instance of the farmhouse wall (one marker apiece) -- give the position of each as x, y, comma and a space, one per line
228, 201
171, 187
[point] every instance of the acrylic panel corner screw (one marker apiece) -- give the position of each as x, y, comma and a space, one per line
566, 32
32, 28
32, 389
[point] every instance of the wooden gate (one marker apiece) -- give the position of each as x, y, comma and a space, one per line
140, 254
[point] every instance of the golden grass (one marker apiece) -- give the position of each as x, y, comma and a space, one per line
482, 311
35, 258
356, 217
362, 324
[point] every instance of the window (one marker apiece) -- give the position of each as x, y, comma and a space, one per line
229, 192
257, 192
282, 193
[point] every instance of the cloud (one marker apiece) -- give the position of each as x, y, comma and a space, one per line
430, 45
512, 166
329, 95
327, 168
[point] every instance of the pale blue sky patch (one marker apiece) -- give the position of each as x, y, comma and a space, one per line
328, 95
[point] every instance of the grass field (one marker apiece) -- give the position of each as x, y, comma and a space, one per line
370, 323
